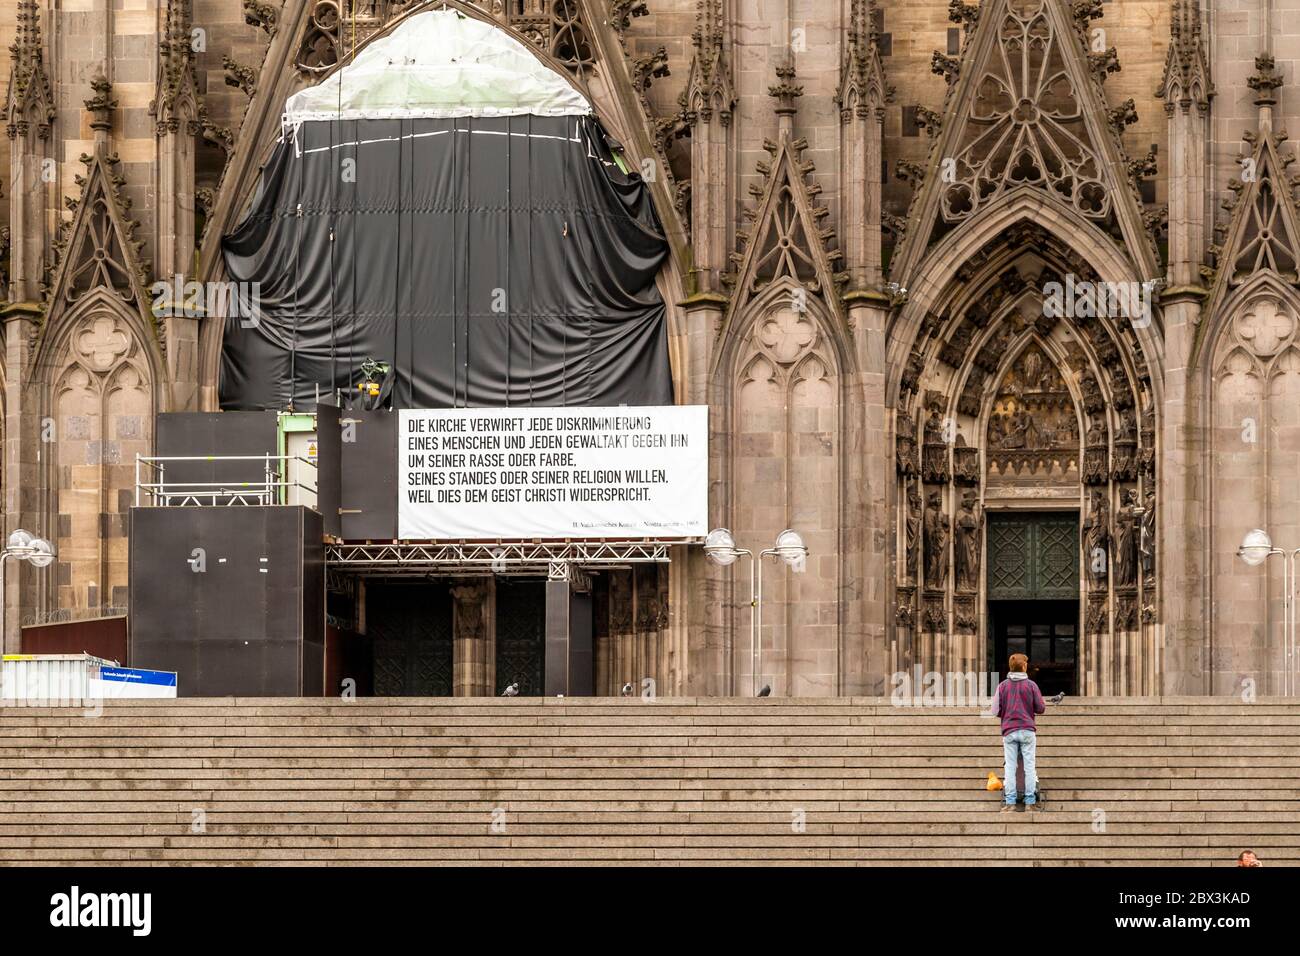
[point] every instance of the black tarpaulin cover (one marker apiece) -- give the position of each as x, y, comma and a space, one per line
490, 261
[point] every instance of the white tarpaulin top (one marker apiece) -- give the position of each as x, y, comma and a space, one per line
439, 64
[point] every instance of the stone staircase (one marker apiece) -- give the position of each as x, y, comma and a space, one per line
1171, 781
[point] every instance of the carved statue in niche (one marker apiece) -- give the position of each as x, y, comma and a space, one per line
905, 444
1148, 541
1127, 522
967, 542
1125, 464
935, 454
1095, 469
1096, 538
1147, 455
1034, 426
936, 543
913, 531
965, 461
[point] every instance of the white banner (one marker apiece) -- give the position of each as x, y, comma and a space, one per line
628, 472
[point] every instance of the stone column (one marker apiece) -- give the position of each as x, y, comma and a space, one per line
474, 638
22, 429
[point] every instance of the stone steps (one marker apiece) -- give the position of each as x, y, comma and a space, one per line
1173, 781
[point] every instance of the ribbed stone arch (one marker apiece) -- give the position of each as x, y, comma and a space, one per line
939, 273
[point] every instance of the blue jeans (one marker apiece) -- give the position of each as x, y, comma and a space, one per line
1015, 745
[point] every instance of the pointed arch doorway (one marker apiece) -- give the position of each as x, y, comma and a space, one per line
1033, 595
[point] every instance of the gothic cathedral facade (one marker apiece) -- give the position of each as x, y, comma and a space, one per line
997, 304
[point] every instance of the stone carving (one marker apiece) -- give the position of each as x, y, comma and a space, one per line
1095, 470
1125, 612
904, 611
1125, 464
102, 342
1096, 540
936, 619
1094, 622
1265, 327
934, 460
1026, 129
905, 444
965, 461
968, 541
972, 394
1147, 542
965, 618
1127, 523
1034, 425
936, 543
954, 351
913, 543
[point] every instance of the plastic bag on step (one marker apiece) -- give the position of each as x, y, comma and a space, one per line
994, 783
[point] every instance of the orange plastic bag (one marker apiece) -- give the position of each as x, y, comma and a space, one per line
994, 783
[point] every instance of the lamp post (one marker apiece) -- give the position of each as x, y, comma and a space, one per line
1256, 548
720, 547
24, 546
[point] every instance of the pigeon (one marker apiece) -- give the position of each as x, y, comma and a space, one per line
627, 689
511, 691
1056, 698
766, 691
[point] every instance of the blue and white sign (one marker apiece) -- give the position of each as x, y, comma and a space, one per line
134, 682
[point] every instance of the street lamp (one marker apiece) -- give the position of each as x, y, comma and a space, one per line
1255, 549
720, 547
24, 546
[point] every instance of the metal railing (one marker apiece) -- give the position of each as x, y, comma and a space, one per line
271, 489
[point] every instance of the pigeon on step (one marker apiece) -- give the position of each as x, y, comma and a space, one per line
1056, 698
511, 691
627, 689
766, 691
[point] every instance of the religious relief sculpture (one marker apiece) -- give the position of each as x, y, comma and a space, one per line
1095, 454
968, 541
1127, 523
1096, 540
936, 543
1034, 426
934, 461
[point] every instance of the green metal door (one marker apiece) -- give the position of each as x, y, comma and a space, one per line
1033, 556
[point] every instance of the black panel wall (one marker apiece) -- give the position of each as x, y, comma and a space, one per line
368, 499
183, 434
232, 599
328, 465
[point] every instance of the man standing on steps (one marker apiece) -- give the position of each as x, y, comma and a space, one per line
1017, 700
